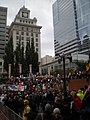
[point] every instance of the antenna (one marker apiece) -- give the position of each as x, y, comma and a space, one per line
23, 2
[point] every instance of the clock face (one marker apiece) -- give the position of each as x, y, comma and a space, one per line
24, 14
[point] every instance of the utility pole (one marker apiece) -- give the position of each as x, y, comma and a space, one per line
64, 75
63, 57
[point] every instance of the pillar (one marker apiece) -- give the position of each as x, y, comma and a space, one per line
9, 70
20, 68
40, 70
30, 68
49, 70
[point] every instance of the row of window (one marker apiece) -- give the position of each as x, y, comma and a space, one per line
27, 33
23, 28
27, 38
25, 21
23, 45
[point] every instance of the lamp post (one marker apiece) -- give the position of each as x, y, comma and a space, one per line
63, 57
64, 80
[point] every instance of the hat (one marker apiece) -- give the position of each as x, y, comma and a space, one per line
56, 110
47, 107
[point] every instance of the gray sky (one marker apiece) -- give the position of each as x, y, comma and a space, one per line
42, 10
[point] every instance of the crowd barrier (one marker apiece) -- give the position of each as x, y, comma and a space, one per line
8, 114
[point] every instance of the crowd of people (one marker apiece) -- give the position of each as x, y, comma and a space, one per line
43, 99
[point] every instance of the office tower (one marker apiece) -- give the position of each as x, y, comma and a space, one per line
71, 26
82, 8
7, 34
25, 29
3, 22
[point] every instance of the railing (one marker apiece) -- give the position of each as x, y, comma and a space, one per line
2, 116
8, 114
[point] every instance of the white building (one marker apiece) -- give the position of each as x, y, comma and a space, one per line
25, 29
49, 62
46, 59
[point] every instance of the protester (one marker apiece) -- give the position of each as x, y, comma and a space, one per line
57, 114
75, 106
26, 113
85, 113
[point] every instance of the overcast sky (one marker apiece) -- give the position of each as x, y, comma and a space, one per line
42, 10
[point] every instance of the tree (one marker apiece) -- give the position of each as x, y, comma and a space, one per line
19, 56
34, 56
81, 65
35, 63
28, 55
9, 55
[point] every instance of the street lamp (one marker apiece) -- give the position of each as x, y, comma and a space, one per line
63, 57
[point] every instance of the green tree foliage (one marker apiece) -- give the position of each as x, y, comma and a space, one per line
17, 57
81, 65
21, 56
28, 59
31, 57
34, 57
9, 55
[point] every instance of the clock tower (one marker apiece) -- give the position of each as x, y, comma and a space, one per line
24, 13
26, 30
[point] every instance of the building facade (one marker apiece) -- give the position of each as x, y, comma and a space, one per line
71, 26
25, 29
3, 22
65, 31
83, 19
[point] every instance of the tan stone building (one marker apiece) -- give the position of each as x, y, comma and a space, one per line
25, 29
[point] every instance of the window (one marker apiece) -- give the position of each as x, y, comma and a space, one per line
22, 33
22, 43
36, 44
27, 39
36, 35
36, 49
16, 44
17, 32
31, 34
36, 40
22, 28
17, 37
27, 28
0, 63
22, 38
27, 33
32, 39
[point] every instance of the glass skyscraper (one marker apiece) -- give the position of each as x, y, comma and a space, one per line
71, 26
83, 20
